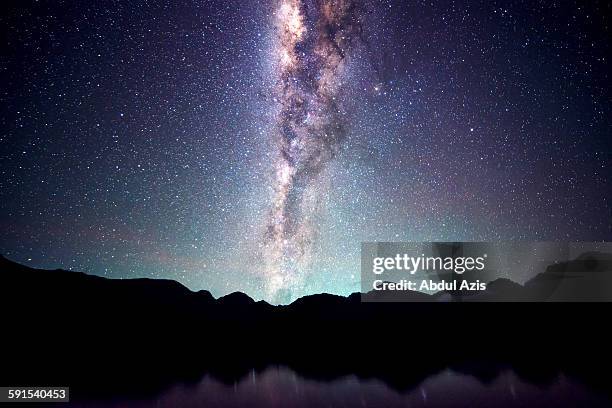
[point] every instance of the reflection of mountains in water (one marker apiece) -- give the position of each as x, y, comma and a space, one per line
278, 386
124, 336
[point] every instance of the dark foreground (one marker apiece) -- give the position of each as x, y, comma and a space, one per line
155, 342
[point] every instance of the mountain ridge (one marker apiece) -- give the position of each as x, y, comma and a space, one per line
505, 289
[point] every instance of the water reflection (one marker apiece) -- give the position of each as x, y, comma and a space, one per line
282, 387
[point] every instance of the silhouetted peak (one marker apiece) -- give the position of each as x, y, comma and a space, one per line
236, 299
263, 303
205, 295
320, 299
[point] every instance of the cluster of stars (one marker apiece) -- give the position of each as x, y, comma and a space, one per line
142, 139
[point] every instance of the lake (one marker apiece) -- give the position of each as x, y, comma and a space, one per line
282, 387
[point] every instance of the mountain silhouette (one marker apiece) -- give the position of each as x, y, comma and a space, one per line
236, 299
124, 336
586, 278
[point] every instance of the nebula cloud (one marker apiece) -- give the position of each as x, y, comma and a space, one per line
315, 39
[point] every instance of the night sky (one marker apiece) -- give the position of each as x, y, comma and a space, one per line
252, 145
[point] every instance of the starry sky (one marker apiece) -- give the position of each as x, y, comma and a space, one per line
231, 144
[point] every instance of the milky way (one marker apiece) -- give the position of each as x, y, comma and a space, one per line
315, 38
252, 146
